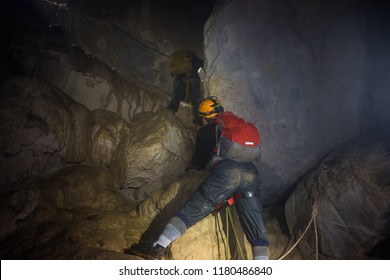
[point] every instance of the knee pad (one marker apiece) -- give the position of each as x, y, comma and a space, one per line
249, 201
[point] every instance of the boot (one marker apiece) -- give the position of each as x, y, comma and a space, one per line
146, 251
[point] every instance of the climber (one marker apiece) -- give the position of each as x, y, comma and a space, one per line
186, 81
226, 178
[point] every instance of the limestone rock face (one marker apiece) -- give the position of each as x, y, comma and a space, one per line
49, 57
107, 132
40, 126
135, 38
16, 210
298, 71
79, 214
43, 126
157, 148
79, 187
74, 214
351, 188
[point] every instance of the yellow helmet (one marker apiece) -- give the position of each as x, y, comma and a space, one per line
209, 108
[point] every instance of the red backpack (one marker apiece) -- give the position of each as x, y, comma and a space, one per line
239, 140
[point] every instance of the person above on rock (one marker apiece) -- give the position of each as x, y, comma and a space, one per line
186, 81
231, 174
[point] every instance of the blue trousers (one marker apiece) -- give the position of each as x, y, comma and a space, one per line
226, 179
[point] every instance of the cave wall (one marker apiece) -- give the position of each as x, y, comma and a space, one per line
346, 196
309, 74
134, 38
